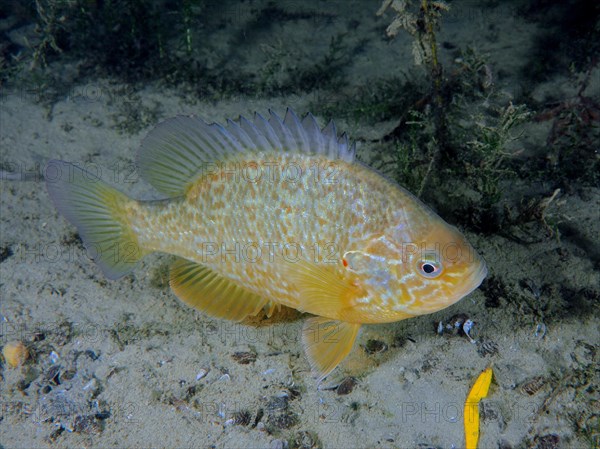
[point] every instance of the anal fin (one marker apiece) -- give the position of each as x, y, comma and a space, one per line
213, 294
326, 343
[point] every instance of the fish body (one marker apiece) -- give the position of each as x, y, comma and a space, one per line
270, 213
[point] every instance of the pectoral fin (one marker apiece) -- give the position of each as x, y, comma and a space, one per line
326, 343
202, 288
325, 289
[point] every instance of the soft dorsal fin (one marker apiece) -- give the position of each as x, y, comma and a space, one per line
175, 153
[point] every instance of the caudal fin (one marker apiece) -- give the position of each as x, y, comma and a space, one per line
98, 212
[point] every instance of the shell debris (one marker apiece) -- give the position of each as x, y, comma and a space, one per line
533, 385
201, 374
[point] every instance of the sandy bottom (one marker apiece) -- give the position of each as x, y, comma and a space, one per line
124, 363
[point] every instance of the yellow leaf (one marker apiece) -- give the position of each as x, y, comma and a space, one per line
471, 414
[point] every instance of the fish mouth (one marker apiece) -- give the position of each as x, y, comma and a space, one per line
476, 277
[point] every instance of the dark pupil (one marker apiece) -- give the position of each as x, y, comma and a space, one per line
428, 268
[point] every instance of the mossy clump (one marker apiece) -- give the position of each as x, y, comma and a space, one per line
123, 36
456, 140
455, 146
133, 116
485, 155
377, 101
572, 143
283, 74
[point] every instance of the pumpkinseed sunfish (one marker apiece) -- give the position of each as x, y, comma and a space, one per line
273, 212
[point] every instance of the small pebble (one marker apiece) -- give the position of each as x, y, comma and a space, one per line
346, 386
202, 373
244, 358
278, 444
91, 354
550, 441
54, 357
15, 353
66, 375
375, 346
306, 439
410, 376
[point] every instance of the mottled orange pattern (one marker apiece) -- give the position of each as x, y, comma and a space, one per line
277, 212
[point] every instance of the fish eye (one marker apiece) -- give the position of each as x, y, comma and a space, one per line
430, 269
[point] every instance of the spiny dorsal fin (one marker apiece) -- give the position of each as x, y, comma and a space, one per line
175, 153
